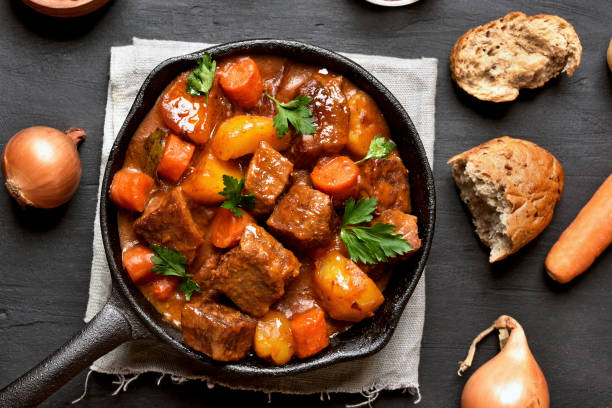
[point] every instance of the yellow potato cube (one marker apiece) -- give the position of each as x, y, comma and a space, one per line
345, 291
240, 135
206, 181
273, 338
365, 122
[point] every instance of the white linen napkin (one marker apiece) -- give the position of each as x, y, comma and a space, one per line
413, 82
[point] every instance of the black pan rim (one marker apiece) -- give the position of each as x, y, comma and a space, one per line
239, 369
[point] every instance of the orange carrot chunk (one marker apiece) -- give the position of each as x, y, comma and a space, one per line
175, 159
186, 114
337, 177
130, 189
241, 82
226, 228
309, 331
138, 264
165, 286
585, 239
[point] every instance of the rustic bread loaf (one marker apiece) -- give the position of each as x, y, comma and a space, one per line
492, 62
511, 187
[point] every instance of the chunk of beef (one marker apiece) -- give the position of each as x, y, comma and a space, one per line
218, 331
301, 177
167, 221
304, 150
406, 226
294, 76
299, 296
207, 256
267, 177
304, 218
386, 180
331, 116
253, 274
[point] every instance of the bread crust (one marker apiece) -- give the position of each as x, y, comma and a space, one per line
493, 61
531, 180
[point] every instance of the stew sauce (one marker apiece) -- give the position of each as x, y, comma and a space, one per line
280, 266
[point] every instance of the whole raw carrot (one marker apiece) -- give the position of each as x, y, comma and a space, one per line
585, 238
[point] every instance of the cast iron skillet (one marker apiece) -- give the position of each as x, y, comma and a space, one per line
128, 315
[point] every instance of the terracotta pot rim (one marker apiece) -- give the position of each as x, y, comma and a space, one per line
65, 8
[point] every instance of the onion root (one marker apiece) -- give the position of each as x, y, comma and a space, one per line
502, 323
16, 193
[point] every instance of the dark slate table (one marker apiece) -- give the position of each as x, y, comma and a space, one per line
55, 72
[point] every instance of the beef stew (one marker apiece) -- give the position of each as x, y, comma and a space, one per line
291, 257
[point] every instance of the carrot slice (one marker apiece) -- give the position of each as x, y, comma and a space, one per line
131, 189
175, 158
138, 264
226, 228
241, 82
309, 331
585, 239
337, 176
165, 286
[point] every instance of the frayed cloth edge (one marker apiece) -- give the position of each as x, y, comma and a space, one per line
412, 388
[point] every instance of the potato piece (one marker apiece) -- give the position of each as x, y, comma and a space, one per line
345, 291
206, 181
273, 338
241, 135
365, 122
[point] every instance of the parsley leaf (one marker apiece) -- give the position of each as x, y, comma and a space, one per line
369, 244
295, 112
379, 149
234, 197
167, 262
201, 79
172, 263
360, 212
188, 286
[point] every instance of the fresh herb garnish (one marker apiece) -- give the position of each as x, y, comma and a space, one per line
172, 263
369, 244
154, 148
295, 112
379, 149
188, 286
234, 197
201, 79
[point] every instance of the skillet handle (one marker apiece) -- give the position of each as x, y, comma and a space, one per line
108, 329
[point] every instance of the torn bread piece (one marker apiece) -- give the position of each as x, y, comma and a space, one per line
511, 187
494, 61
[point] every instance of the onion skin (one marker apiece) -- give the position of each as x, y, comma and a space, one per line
41, 166
609, 55
512, 378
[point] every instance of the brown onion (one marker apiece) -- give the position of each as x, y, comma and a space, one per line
609, 55
510, 379
41, 166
